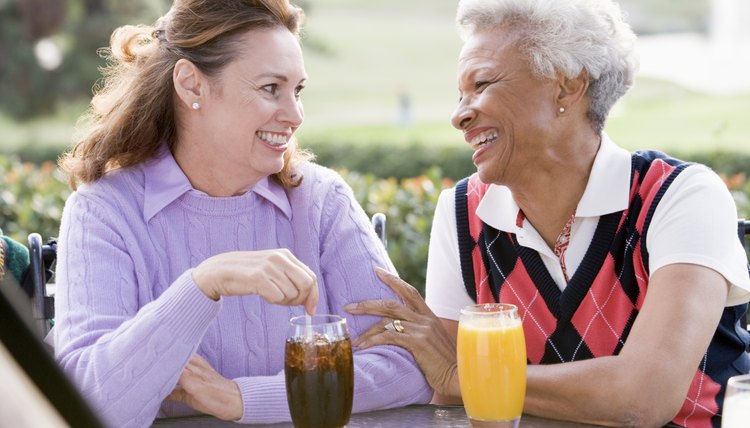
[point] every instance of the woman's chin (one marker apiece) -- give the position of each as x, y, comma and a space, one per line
485, 174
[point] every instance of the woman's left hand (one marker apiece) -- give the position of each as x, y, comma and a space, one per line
423, 334
205, 390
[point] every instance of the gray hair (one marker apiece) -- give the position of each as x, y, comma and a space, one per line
565, 36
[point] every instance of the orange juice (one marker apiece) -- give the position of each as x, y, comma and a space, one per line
492, 367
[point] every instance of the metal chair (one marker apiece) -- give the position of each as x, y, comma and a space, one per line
378, 223
41, 264
743, 229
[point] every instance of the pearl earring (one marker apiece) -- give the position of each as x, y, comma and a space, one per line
562, 109
196, 106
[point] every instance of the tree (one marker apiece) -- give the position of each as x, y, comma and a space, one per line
78, 29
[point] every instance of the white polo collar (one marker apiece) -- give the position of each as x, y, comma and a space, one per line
607, 190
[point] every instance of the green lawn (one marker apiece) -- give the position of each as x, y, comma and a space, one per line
373, 51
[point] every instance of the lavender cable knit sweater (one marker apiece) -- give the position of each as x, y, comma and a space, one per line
129, 315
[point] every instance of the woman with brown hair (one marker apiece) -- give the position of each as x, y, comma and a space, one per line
199, 228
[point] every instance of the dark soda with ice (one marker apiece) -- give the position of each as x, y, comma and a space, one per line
319, 381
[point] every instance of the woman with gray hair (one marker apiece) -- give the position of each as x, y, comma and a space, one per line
628, 319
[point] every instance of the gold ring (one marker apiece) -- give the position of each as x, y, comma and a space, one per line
395, 325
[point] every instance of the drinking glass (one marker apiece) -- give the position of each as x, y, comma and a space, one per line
736, 412
491, 354
319, 371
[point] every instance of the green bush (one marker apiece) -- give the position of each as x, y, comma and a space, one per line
393, 160
409, 205
32, 197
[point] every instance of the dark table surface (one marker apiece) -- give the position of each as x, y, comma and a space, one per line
411, 416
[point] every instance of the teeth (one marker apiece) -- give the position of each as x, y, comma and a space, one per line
271, 138
483, 138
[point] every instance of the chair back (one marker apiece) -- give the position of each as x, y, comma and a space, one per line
41, 262
378, 223
743, 229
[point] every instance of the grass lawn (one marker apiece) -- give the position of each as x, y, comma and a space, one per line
362, 55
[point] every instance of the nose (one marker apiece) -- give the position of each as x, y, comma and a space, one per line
462, 115
291, 112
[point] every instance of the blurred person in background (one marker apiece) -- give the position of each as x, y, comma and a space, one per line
198, 228
625, 267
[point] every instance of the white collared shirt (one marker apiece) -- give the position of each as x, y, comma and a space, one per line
695, 222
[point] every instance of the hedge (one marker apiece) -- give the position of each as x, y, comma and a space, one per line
32, 197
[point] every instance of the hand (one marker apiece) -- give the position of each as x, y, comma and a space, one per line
206, 391
424, 336
275, 275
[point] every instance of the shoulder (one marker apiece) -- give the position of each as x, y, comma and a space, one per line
126, 180
700, 184
321, 188
315, 176
116, 191
319, 182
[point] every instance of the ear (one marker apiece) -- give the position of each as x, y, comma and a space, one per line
189, 83
571, 91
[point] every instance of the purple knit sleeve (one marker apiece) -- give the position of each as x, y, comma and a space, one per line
125, 356
385, 376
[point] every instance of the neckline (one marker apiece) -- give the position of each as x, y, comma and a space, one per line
563, 304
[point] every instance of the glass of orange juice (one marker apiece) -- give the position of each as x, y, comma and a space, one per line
491, 354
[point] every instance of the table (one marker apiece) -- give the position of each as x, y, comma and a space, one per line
414, 416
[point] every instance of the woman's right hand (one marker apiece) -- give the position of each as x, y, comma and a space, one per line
423, 334
275, 275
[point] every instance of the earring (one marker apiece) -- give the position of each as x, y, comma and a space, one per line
196, 106
562, 109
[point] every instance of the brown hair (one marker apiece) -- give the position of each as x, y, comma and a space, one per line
133, 112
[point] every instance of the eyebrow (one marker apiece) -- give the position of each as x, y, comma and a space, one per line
279, 77
275, 76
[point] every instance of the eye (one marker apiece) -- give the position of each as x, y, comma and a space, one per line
481, 85
270, 88
298, 90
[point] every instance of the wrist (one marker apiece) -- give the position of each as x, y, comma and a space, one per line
235, 404
201, 280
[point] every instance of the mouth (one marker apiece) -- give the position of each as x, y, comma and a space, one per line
273, 139
483, 138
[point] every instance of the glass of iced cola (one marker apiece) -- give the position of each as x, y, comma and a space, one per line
319, 371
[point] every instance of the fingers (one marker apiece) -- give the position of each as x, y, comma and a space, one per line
177, 394
288, 281
275, 275
384, 308
379, 335
414, 305
305, 284
312, 300
403, 289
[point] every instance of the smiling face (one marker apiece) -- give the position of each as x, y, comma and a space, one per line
506, 114
248, 113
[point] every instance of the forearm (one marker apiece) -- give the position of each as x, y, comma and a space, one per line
609, 391
387, 377
126, 370
264, 399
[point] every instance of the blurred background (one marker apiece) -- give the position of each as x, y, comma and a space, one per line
381, 88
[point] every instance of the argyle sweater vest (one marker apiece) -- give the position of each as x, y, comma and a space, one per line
594, 314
